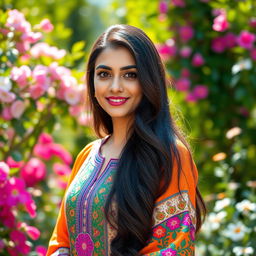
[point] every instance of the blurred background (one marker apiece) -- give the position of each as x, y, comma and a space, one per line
209, 49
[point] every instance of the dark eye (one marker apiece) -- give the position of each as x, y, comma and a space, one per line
131, 75
103, 74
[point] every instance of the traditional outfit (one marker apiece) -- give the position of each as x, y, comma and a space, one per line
82, 228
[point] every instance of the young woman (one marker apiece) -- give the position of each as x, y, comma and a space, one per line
134, 191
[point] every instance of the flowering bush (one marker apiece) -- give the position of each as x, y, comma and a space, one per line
35, 88
208, 48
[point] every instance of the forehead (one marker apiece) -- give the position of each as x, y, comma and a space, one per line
115, 57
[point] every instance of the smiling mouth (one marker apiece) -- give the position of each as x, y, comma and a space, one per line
116, 101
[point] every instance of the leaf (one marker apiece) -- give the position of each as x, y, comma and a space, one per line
78, 46
183, 243
13, 171
16, 155
19, 127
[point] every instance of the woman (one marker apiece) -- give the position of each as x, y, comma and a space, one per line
133, 192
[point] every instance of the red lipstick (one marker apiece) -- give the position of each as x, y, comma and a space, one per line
116, 101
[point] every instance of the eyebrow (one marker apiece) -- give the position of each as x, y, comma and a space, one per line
122, 68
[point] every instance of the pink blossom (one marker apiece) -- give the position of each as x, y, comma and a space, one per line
33, 172
182, 84
17, 21
40, 75
17, 108
22, 46
85, 119
253, 54
62, 184
20, 75
186, 33
173, 223
36, 91
219, 44
185, 72
230, 40
31, 37
178, 3
32, 232
57, 72
200, 91
31, 208
72, 95
163, 7
197, 60
19, 240
4, 172
84, 244
185, 51
252, 22
168, 252
6, 114
61, 169
2, 245
45, 138
46, 25
7, 216
246, 39
41, 250
5, 83
66, 82
6, 97
13, 164
59, 151
167, 50
75, 110
191, 97
220, 23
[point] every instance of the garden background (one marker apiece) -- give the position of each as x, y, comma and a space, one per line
208, 47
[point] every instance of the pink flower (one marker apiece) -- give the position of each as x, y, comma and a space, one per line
230, 40
185, 72
169, 252
40, 75
19, 240
252, 22
186, 220
46, 25
197, 60
220, 23
84, 245
2, 245
192, 233
246, 39
219, 44
191, 97
163, 7
33, 172
85, 119
173, 223
36, 91
45, 138
12, 163
72, 95
17, 21
6, 97
167, 50
31, 208
32, 232
61, 169
17, 108
253, 54
20, 75
43, 151
57, 72
178, 3
182, 84
7, 216
5, 83
200, 91
59, 151
22, 46
75, 110
4, 172
186, 33
41, 250
6, 114
31, 37
185, 51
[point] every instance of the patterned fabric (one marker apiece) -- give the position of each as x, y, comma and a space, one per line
82, 225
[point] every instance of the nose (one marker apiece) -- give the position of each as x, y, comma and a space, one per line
116, 85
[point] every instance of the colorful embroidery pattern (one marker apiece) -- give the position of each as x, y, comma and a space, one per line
84, 245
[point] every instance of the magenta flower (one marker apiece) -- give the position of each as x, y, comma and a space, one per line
45, 138
178, 3
33, 172
252, 22
163, 7
2, 245
186, 33
246, 39
31, 37
219, 44
191, 97
21, 75
84, 245
43, 151
59, 151
186, 220
7, 217
197, 60
41, 250
185, 51
230, 40
169, 252
182, 84
12, 163
19, 240
4, 172
185, 72
173, 223
46, 25
31, 207
220, 23
192, 233
253, 54
32, 232
61, 169
167, 50
200, 91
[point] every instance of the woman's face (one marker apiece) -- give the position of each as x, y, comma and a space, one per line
116, 84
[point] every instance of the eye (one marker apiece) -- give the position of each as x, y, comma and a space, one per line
103, 74
130, 75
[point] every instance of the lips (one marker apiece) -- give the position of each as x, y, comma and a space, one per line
116, 101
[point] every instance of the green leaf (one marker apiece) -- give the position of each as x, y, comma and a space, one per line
78, 46
16, 155
19, 127
14, 171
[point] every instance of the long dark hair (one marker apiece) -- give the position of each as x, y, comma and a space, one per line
146, 164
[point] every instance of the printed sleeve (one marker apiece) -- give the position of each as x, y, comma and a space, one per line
174, 216
59, 242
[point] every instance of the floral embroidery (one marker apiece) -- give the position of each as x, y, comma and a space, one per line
169, 252
84, 245
173, 223
187, 220
159, 232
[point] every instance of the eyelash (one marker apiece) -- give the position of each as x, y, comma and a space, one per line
134, 75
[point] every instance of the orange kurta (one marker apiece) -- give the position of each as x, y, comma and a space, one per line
174, 214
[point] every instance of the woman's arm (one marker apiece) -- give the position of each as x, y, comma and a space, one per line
59, 242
